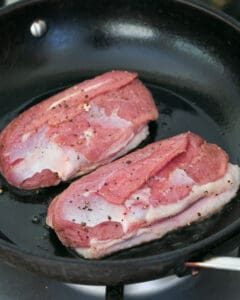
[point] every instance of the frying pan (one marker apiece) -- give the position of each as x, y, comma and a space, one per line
186, 54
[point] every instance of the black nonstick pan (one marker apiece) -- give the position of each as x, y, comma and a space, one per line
189, 58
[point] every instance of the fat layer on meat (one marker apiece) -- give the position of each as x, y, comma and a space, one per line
77, 130
144, 195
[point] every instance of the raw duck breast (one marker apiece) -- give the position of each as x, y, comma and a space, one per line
144, 195
77, 130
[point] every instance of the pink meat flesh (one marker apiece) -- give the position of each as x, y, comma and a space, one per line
77, 130
144, 195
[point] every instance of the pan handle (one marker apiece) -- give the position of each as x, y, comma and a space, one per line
218, 262
114, 292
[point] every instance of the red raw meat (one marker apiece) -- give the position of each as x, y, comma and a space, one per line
77, 130
143, 195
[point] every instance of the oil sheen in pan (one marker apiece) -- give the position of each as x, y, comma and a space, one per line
27, 211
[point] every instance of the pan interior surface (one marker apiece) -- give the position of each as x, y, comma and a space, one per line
191, 68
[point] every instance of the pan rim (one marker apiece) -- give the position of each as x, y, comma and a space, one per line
6, 248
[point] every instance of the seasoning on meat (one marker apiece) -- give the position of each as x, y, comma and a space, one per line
77, 130
169, 184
